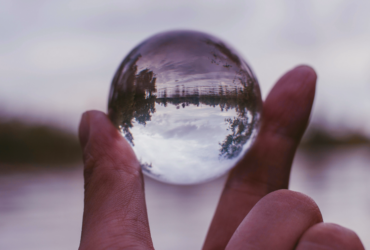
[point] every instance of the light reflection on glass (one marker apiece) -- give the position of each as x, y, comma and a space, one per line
188, 105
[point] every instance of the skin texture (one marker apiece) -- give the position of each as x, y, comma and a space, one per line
276, 222
266, 167
328, 236
255, 210
115, 215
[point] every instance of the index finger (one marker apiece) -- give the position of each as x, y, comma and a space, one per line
266, 166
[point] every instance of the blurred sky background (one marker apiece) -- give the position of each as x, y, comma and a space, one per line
57, 58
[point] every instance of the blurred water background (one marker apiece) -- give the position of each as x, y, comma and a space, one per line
57, 59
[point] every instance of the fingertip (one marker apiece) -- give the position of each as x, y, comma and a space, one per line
295, 201
306, 68
95, 124
102, 142
306, 72
288, 106
300, 76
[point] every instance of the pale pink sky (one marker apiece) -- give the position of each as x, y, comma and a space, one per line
57, 58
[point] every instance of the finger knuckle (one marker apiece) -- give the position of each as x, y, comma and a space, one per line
330, 236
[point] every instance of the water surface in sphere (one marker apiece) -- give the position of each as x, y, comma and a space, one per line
188, 104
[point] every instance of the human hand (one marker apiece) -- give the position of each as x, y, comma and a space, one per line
251, 214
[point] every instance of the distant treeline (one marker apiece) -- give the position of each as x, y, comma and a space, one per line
27, 144
319, 138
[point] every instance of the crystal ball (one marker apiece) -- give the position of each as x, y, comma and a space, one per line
188, 104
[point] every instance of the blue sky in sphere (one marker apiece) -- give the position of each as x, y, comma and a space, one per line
57, 58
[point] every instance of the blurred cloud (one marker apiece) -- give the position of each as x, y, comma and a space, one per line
57, 58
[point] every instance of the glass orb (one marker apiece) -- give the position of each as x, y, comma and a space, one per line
188, 104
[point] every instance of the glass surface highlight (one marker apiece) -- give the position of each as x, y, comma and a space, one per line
188, 104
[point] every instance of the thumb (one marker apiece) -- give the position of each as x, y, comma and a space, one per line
115, 213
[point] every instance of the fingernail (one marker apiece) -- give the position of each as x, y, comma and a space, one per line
84, 129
